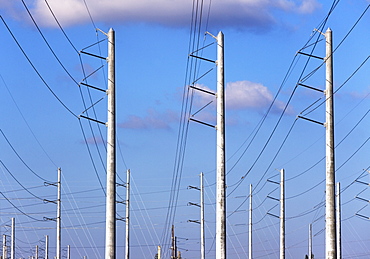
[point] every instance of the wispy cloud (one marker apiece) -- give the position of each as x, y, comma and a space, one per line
241, 14
152, 120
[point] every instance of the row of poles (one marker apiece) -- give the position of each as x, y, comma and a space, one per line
331, 235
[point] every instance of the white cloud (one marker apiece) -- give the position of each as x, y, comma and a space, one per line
246, 94
242, 14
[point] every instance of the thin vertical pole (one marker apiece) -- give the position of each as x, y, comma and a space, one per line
221, 201
110, 227
46, 247
59, 227
330, 227
173, 242
127, 244
310, 241
4, 247
282, 214
250, 224
339, 224
202, 237
12, 244
37, 252
159, 252
68, 252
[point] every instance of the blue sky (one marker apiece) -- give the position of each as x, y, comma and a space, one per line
152, 45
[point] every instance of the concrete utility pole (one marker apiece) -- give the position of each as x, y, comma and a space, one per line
110, 227
46, 247
159, 252
127, 243
339, 224
173, 239
202, 237
330, 228
310, 241
37, 252
4, 247
221, 183
250, 224
59, 226
68, 252
282, 214
12, 242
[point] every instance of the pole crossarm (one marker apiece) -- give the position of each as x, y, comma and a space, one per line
312, 56
362, 199
362, 216
51, 219
310, 87
201, 122
47, 201
90, 54
273, 198
273, 182
362, 182
205, 59
268, 213
194, 221
193, 204
202, 90
91, 119
93, 87
193, 187
311, 120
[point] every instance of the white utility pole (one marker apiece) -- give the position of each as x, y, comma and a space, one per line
59, 226
4, 247
310, 241
202, 237
127, 244
68, 252
282, 214
339, 224
37, 252
110, 227
250, 224
12, 242
46, 247
221, 200
330, 225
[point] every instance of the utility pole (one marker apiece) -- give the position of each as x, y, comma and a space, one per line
59, 227
339, 224
221, 198
330, 225
282, 214
68, 252
250, 224
310, 241
202, 236
127, 244
173, 248
46, 247
4, 247
201, 221
37, 252
12, 242
159, 252
110, 227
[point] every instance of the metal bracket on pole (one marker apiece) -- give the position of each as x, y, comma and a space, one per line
93, 87
202, 90
312, 56
85, 117
312, 88
194, 221
205, 59
201, 122
301, 117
